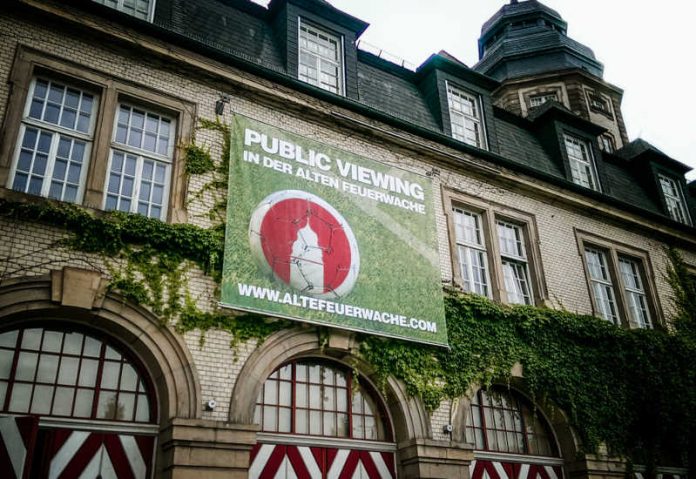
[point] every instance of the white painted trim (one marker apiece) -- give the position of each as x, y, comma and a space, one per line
315, 441
103, 426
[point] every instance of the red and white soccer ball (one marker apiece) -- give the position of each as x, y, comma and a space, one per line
304, 242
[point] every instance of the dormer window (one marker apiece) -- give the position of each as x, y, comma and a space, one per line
321, 58
538, 100
606, 142
465, 117
676, 205
142, 9
582, 167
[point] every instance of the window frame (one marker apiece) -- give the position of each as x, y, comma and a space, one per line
544, 96
607, 143
119, 8
592, 161
524, 404
480, 121
614, 252
341, 53
367, 390
108, 91
682, 205
490, 214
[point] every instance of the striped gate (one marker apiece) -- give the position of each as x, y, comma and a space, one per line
17, 439
279, 461
73, 454
485, 469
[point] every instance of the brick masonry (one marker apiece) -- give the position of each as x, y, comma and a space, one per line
27, 249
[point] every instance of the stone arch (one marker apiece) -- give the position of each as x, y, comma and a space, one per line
565, 436
162, 352
408, 417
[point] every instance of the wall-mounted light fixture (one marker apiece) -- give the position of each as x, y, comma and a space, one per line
220, 104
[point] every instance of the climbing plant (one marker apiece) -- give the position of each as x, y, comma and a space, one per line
633, 390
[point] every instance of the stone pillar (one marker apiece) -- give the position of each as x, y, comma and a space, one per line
430, 459
198, 448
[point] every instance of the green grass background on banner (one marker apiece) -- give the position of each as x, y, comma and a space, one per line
395, 277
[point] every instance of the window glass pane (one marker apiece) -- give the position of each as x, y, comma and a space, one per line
21, 396
31, 339
41, 402
284, 419
63, 402
107, 407
67, 373
48, 367
73, 343
9, 339
88, 372
6, 358
26, 366
143, 411
83, 403
301, 421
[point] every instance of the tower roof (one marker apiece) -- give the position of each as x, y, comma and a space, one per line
528, 38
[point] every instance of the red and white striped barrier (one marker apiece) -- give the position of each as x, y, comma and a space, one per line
484, 469
76, 454
17, 438
271, 461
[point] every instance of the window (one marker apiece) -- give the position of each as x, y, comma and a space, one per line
471, 252
319, 399
582, 167
494, 251
88, 138
602, 287
465, 117
598, 103
54, 141
139, 167
321, 59
138, 8
620, 288
676, 206
538, 100
502, 421
514, 263
70, 374
634, 290
606, 142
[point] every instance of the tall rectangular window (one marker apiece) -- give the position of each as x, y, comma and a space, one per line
138, 8
321, 59
602, 286
140, 162
582, 167
676, 206
634, 290
465, 117
514, 263
54, 141
471, 252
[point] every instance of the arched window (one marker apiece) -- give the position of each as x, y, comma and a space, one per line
319, 399
61, 373
502, 421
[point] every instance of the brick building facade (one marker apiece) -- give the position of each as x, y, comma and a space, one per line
531, 137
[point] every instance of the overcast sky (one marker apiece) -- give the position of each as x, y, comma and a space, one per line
647, 49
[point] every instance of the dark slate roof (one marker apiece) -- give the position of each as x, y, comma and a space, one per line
514, 9
640, 149
242, 33
508, 49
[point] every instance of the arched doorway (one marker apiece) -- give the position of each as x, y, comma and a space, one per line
74, 403
512, 439
318, 421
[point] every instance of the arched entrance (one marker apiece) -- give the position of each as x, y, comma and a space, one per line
74, 403
512, 439
319, 421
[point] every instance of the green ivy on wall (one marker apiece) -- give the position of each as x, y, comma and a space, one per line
634, 390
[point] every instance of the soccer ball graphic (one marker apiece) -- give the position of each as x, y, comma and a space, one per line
301, 240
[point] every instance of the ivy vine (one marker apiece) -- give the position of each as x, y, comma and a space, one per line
633, 390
